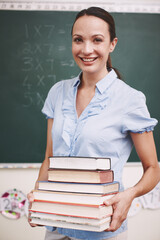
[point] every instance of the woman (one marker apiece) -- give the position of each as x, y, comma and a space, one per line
97, 115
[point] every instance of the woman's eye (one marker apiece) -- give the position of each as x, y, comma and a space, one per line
77, 40
97, 40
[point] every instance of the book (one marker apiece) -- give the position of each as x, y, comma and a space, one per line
98, 188
73, 210
61, 224
72, 198
79, 220
83, 163
71, 222
85, 176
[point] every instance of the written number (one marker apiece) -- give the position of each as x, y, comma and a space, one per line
6, 204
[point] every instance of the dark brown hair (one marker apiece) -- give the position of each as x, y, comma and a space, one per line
104, 15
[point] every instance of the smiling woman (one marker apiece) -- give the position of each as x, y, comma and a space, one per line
98, 115
91, 46
109, 27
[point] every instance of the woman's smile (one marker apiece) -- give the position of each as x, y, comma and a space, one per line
88, 60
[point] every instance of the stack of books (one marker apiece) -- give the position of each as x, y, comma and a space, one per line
74, 195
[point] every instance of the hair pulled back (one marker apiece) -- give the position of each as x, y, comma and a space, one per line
104, 15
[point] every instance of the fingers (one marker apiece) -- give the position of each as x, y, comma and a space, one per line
32, 224
30, 197
116, 222
120, 204
29, 220
111, 201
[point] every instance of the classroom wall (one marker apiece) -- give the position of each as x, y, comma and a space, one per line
143, 225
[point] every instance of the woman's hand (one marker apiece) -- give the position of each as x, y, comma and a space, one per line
30, 197
121, 203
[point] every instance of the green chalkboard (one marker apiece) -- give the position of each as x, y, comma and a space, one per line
35, 52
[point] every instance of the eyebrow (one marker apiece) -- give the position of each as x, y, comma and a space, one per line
95, 35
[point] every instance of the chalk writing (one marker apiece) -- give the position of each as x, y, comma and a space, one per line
43, 49
37, 32
28, 64
39, 66
69, 63
50, 62
49, 48
27, 48
28, 99
50, 29
61, 31
41, 80
40, 100
37, 48
61, 48
53, 77
26, 83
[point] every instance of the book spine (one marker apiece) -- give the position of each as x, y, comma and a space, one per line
100, 163
80, 176
107, 176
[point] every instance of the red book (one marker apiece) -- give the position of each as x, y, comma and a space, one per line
80, 176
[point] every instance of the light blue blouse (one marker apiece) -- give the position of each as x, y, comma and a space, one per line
102, 130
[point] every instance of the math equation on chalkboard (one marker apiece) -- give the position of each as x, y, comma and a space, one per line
44, 54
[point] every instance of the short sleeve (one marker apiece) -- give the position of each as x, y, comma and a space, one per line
137, 117
49, 104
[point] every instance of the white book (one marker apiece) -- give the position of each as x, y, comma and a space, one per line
79, 220
73, 198
64, 224
81, 163
98, 188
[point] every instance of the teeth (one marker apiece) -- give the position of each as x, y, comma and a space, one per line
88, 59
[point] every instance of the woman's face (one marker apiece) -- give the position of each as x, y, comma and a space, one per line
91, 44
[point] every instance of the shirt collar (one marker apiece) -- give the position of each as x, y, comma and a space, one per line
77, 80
106, 82
101, 85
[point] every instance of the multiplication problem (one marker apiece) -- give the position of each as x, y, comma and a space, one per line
44, 56
37, 63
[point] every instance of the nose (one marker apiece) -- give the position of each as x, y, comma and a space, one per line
87, 48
